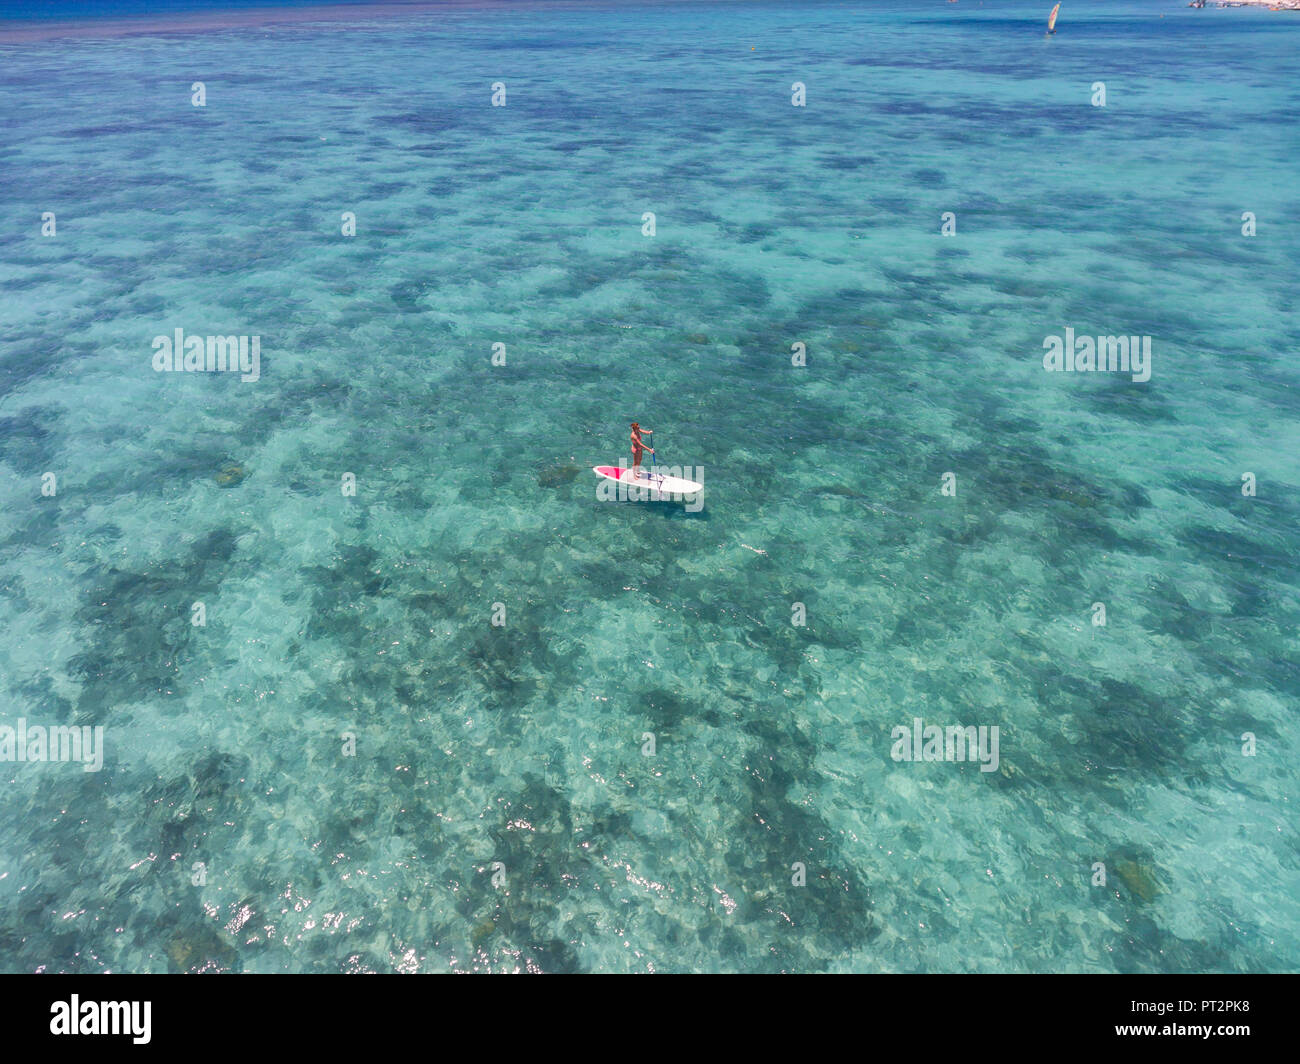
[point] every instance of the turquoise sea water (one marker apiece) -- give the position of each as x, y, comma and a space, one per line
523, 744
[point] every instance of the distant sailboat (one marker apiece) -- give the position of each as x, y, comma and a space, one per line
1051, 19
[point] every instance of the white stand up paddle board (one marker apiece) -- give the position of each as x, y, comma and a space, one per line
664, 485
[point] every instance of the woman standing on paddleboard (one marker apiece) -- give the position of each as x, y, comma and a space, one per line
637, 446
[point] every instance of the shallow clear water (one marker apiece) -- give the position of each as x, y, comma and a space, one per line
523, 744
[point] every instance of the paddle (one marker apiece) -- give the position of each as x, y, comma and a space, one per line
650, 473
